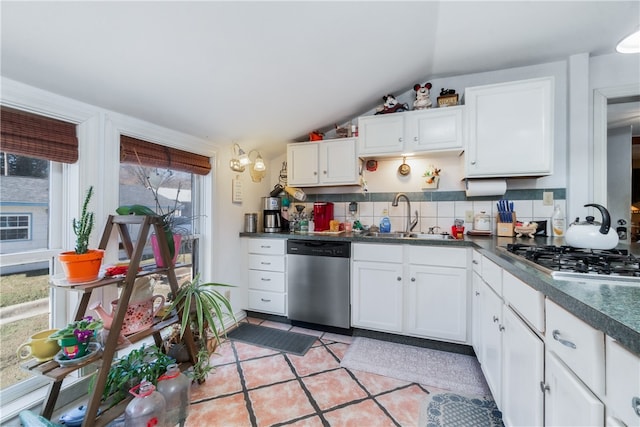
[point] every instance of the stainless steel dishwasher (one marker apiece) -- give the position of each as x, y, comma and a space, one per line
318, 277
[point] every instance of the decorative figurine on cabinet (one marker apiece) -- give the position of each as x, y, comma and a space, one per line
422, 101
391, 105
447, 97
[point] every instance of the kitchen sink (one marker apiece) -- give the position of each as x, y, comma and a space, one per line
404, 235
428, 236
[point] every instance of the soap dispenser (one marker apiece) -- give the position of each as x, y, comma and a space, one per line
385, 222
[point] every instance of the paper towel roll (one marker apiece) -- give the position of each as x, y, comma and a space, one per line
486, 187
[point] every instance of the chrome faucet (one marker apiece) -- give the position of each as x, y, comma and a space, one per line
410, 224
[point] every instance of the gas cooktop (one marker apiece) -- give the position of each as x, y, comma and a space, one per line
569, 263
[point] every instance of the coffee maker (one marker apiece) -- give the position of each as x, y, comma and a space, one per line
322, 215
271, 214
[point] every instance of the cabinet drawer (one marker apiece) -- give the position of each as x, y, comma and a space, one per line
266, 280
438, 256
269, 302
379, 253
492, 275
579, 345
266, 262
528, 302
267, 246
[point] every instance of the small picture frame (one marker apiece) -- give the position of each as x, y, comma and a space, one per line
236, 190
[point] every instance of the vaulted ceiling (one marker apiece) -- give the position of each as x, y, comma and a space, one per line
272, 71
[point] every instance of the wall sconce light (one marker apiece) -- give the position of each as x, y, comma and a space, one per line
241, 159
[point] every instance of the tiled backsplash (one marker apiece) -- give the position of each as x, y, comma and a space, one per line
438, 208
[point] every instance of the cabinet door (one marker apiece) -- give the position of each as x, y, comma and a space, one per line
491, 349
437, 302
302, 164
510, 129
568, 402
381, 134
476, 304
623, 384
376, 296
522, 373
339, 162
434, 129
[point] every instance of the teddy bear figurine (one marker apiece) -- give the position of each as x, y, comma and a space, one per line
422, 101
391, 105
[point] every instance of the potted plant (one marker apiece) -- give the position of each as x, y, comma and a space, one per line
200, 304
171, 222
74, 339
83, 264
146, 362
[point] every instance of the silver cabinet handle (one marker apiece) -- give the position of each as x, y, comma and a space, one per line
399, 278
399, 139
556, 336
266, 246
315, 172
265, 300
413, 279
495, 319
415, 138
473, 162
477, 293
475, 261
324, 172
500, 328
635, 404
265, 279
544, 387
265, 263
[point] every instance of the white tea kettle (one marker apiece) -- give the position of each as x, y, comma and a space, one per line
590, 234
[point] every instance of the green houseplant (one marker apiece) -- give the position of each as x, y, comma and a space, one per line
146, 362
74, 338
203, 309
82, 264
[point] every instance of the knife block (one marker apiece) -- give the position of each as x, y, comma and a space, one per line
505, 229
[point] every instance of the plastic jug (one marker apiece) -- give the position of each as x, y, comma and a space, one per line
176, 389
147, 408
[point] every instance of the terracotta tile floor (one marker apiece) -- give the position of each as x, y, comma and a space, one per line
254, 386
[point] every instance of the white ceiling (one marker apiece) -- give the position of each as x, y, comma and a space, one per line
272, 71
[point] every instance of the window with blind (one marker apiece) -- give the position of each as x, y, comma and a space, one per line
32, 150
165, 179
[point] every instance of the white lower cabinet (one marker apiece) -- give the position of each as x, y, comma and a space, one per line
490, 355
376, 296
267, 276
522, 373
412, 290
568, 402
437, 302
623, 385
476, 331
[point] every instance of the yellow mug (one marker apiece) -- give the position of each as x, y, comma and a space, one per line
39, 346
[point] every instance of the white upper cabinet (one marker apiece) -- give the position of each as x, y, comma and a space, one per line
431, 130
437, 129
332, 162
381, 134
510, 129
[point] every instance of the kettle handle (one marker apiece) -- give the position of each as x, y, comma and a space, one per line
606, 218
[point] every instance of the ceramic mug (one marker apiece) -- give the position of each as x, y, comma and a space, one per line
39, 346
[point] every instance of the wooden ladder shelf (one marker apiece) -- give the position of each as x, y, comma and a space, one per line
134, 248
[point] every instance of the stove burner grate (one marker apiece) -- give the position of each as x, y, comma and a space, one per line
567, 259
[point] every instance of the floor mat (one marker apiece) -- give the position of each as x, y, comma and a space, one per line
275, 339
441, 369
450, 409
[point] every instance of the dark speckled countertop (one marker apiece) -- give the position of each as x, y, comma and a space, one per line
611, 308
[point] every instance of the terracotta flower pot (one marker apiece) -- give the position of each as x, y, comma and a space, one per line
81, 268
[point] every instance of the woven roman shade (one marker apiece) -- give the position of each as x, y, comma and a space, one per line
137, 151
31, 135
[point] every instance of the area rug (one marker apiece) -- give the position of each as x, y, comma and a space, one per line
450, 371
274, 339
450, 409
